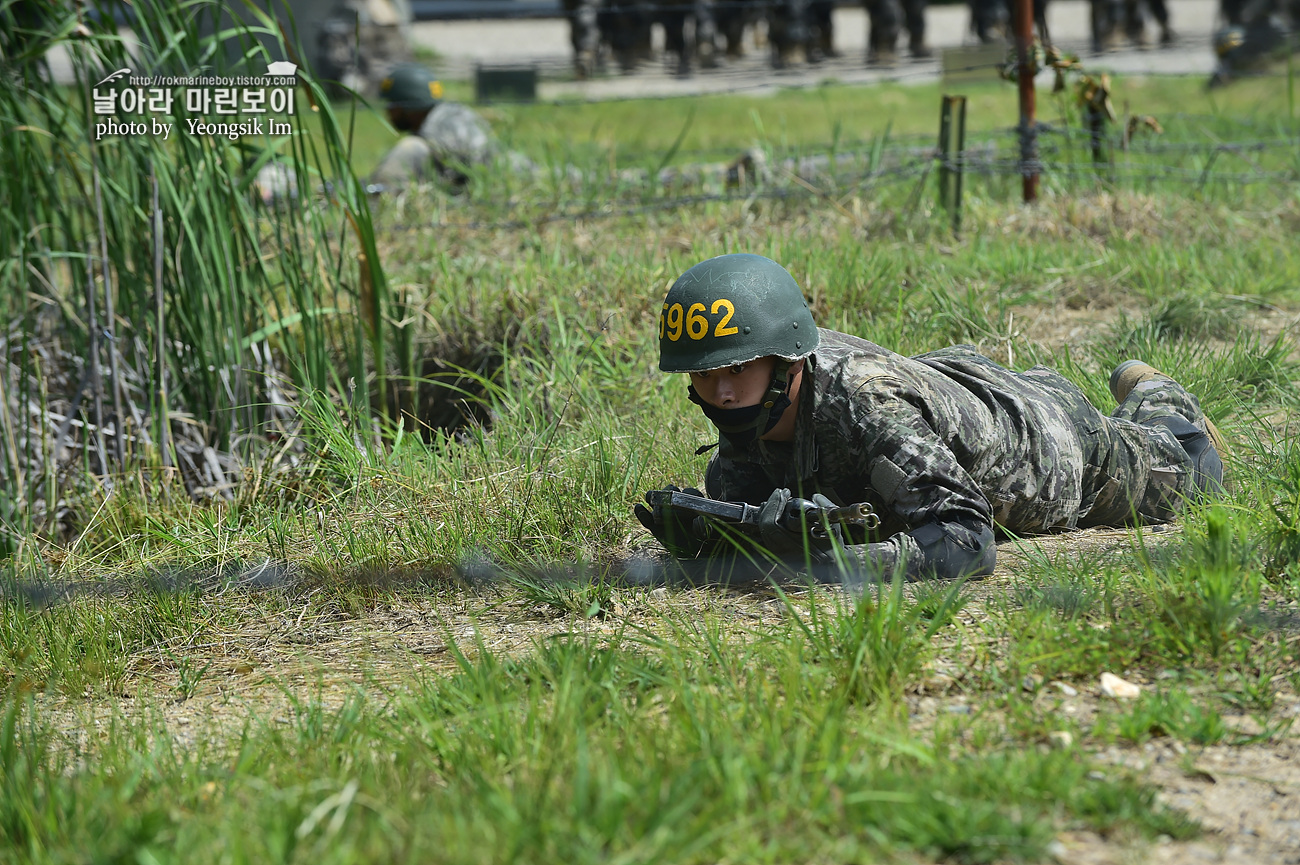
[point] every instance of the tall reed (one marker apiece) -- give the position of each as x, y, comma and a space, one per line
257, 299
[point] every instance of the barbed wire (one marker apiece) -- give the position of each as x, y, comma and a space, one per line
1052, 136
795, 187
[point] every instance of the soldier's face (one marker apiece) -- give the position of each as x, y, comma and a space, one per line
404, 119
738, 386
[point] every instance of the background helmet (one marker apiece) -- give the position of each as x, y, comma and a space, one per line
733, 309
410, 86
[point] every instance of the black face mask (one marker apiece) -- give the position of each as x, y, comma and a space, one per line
741, 425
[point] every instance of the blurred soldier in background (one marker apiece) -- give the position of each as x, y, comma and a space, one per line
1160, 12
988, 18
884, 20
357, 40
731, 17
1258, 33
1108, 15
625, 25
790, 32
445, 137
584, 33
994, 19
674, 16
821, 12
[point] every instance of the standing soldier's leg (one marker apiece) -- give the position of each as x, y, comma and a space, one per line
882, 31
706, 34
986, 17
1135, 25
626, 26
787, 30
1160, 12
914, 14
822, 12
800, 33
672, 15
730, 17
1103, 24
778, 26
584, 33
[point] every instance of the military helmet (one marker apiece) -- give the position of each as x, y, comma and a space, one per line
733, 309
1228, 39
410, 85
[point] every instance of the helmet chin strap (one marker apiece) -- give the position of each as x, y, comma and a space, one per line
777, 393
741, 425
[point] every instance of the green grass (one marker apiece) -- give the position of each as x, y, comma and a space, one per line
685, 749
835, 116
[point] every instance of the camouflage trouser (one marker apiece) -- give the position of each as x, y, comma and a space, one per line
1133, 466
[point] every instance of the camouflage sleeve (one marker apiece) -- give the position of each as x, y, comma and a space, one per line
885, 438
919, 479
730, 481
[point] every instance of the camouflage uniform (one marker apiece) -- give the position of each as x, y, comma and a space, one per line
451, 138
947, 444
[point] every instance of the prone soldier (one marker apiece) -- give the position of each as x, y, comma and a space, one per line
943, 447
444, 140
1257, 32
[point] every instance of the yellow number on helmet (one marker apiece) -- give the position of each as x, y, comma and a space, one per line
675, 322
435, 89
697, 326
721, 328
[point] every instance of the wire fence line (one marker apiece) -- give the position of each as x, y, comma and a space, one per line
1051, 135
827, 179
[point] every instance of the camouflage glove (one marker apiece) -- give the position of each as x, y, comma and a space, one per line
683, 536
785, 534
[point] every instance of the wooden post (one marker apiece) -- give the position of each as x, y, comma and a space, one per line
952, 143
1028, 129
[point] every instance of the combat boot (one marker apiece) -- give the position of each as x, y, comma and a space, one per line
883, 57
1206, 449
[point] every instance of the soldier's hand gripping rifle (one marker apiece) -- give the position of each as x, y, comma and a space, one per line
818, 520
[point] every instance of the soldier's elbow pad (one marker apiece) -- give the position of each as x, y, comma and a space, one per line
951, 551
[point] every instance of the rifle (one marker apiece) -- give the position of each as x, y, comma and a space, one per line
744, 516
